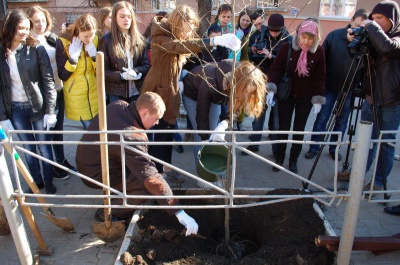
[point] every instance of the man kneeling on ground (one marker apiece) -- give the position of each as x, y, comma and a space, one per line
142, 177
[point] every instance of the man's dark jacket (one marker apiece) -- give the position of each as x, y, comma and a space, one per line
122, 116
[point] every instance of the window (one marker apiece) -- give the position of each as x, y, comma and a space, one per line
337, 8
268, 3
163, 5
71, 17
217, 3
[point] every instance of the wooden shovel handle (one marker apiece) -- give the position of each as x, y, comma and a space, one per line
103, 128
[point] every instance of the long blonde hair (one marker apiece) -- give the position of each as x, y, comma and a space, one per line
252, 104
134, 41
178, 17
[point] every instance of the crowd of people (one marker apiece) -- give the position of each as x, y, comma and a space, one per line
45, 76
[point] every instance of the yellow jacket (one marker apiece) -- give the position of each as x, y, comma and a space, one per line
80, 88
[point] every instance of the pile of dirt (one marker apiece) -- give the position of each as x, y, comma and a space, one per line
280, 233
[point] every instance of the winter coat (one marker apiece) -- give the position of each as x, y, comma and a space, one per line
312, 85
165, 67
80, 87
338, 60
121, 116
385, 68
271, 44
206, 85
37, 78
113, 68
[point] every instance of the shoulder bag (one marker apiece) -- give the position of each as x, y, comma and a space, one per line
284, 85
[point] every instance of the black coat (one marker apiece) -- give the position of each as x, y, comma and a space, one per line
271, 44
37, 78
205, 84
338, 61
113, 68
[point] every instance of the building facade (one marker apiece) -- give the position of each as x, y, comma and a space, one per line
333, 14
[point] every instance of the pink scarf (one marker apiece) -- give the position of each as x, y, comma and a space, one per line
302, 62
310, 27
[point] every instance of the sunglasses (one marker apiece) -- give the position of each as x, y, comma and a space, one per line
274, 30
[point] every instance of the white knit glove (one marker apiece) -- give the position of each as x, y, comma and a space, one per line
317, 108
91, 49
188, 222
6, 125
49, 121
219, 137
227, 40
75, 48
270, 99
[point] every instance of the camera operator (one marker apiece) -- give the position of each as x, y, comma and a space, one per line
383, 30
264, 46
338, 65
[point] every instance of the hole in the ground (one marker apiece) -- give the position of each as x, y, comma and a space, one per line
281, 233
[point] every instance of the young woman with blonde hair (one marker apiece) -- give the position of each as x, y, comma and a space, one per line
209, 87
76, 63
125, 58
174, 38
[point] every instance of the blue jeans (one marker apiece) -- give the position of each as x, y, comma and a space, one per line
258, 125
323, 117
177, 136
21, 114
190, 106
86, 124
390, 120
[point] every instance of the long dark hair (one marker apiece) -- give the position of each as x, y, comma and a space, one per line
9, 29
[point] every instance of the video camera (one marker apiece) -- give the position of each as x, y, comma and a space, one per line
360, 40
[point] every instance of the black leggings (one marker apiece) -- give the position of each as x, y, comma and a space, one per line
301, 108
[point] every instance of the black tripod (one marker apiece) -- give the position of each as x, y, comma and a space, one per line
360, 56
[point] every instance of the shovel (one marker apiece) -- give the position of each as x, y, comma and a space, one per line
107, 231
62, 222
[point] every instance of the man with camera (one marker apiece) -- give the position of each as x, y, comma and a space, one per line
338, 65
382, 85
264, 45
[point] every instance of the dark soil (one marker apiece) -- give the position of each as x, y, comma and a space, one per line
279, 233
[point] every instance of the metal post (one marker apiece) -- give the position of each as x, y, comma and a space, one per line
13, 215
355, 187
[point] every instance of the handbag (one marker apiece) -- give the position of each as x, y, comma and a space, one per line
285, 84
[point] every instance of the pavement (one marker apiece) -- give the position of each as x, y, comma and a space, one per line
82, 247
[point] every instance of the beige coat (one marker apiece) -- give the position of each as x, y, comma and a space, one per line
164, 73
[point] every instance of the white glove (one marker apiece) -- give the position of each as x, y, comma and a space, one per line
6, 125
317, 108
91, 49
131, 72
75, 48
270, 99
188, 222
181, 87
227, 40
219, 137
49, 121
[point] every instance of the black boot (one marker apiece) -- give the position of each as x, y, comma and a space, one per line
279, 161
293, 165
